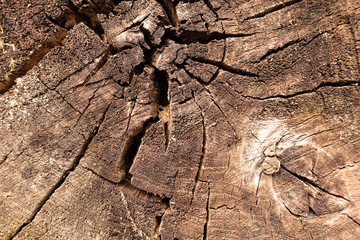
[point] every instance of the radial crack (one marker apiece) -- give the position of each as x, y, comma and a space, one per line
321, 85
225, 67
273, 9
64, 175
312, 183
33, 60
158, 219
352, 219
203, 150
257, 189
132, 146
207, 215
222, 112
5, 157
276, 50
184, 36
62, 97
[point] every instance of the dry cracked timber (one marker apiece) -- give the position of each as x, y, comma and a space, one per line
151, 119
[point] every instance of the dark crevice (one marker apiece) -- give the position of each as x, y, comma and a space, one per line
207, 215
103, 59
127, 184
5, 157
210, 6
101, 177
106, 6
114, 3
64, 175
132, 146
89, 101
312, 183
89, 20
183, 36
321, 85
169, 7
222, 62
273, 9
296, 215
132, 107
314, 134
161, 78
293, 42
202, 82
158, 219
56, 22
276, 50
167, 134
133, 143
352, 219
216, 74
53, 41
226, 67
203, 150
312, 212
165, 202
136, 23
71, 74
33, 60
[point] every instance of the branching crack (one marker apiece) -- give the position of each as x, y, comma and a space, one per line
227, 120
64, 175
53, 41
62, 97
165, 202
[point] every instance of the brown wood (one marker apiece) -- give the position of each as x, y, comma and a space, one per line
205, 119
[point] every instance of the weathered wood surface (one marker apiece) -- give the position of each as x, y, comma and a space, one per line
203, 119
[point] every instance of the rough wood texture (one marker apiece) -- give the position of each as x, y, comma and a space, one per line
205, 119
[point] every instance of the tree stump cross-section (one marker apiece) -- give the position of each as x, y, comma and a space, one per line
161, 119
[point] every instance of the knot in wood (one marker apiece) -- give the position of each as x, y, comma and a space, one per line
270, 165
270, 151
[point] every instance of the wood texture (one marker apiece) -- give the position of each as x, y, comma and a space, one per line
204, 119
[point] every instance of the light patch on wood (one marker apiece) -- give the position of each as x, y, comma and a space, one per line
128, 214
